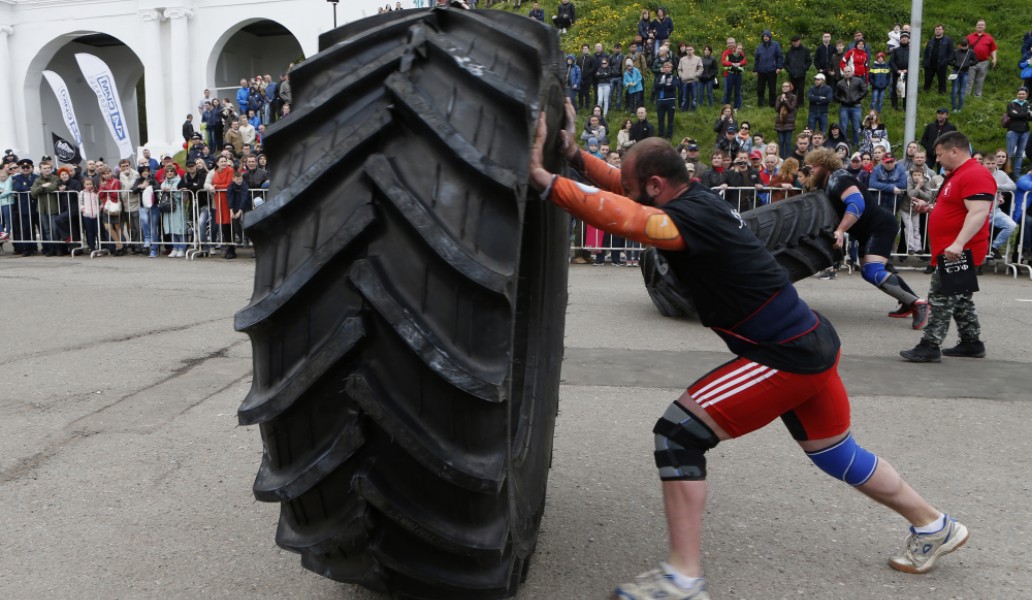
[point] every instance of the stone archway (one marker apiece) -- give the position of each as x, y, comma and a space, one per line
251, 47
43, 114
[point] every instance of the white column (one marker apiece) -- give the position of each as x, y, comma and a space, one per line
158, 131
7, 108
181, 96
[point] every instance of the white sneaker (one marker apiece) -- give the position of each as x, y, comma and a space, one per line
923, 548
657, 583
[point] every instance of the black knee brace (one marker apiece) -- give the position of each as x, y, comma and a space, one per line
681, 444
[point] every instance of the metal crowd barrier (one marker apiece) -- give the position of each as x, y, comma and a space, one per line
211, 235
35, 229
188, 225
912, 240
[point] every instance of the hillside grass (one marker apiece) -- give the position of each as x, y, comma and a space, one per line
702, 22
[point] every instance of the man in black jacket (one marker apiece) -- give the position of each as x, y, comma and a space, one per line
822, 57
938, 55
797, 63
850, 93
616, 62
933, 130
899, 63
565, 16
587, 65
642, 129
820, 95
188, 128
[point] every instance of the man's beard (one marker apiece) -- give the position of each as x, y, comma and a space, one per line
644, 199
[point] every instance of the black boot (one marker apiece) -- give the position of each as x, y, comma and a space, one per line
923, 352
966, 350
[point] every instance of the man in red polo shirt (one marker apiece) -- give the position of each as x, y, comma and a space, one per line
959, 221
984, 47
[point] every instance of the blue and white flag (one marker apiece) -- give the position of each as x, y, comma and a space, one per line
64, 100
102, 82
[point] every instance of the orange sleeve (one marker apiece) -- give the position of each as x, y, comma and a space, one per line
616, 214
601, 174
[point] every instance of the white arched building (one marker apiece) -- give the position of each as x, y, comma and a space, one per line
162, 53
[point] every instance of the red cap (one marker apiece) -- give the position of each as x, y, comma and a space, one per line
755, 154
887, 157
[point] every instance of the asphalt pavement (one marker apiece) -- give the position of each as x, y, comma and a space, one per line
123, 473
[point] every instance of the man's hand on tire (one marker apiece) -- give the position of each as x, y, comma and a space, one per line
540, 178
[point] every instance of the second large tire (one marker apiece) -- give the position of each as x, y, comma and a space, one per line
797, 231
408, 307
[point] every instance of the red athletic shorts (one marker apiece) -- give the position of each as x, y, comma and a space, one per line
743, 396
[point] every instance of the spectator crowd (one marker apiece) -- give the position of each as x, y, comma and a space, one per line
151, 206
637, 89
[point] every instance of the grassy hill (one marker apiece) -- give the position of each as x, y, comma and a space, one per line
701, 22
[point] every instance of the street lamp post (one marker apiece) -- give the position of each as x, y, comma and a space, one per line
334, 3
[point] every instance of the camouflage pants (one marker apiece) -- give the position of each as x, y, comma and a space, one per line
960, 307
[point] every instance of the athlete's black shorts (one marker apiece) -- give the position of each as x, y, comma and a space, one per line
880, 238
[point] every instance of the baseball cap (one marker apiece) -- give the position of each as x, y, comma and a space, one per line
165, 155
942, 110
731, 129
887, 158
755, 154
855, 157
693, 147
881, 55
819, 76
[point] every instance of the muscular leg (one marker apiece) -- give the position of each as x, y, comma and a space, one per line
887, 487
893, 284
685, 503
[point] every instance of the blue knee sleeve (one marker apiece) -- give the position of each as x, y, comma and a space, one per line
847, 461
874, 273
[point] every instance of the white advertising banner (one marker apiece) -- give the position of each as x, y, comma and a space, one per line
100, 79
64, 99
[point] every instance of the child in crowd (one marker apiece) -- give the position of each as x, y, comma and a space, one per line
89, 208
239, 197
918, 188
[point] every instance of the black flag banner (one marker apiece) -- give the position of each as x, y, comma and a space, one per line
65, 151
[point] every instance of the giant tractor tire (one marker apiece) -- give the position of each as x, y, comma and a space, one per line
409, 302
797, 231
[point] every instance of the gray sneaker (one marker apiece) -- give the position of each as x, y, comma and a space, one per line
923, 549
657, 583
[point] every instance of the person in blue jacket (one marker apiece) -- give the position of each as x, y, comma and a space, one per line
1022, 201
632, 84
889, 181
242, 95
768, 64
573, 78
881, 78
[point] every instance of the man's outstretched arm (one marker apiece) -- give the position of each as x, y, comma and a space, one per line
602, 208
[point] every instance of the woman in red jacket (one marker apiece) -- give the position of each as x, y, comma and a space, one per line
857, 58
220, 180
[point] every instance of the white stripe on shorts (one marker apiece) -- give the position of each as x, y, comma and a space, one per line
726, 382
725, 377
742, 387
